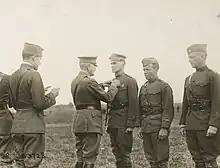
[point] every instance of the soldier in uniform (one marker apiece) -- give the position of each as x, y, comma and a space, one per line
87, 123
156, 112
29, 100
200, 118
123, 112
6, 119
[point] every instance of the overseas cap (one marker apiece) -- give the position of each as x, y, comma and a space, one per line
117, 57
197, 48
149, 60
91, 60
32, 49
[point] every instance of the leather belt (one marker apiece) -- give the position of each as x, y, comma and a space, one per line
3, 106
82, 107
118, 106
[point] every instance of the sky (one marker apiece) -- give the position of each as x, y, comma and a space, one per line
135, 28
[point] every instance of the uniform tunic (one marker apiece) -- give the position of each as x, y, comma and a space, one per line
31, 101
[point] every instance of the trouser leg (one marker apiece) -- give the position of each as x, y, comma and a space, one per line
79, 149
149, 152
161, 148
30, 149
210, 148
113, 132
91, 147
194, 149
125, 146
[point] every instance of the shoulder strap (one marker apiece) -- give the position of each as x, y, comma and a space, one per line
15, 99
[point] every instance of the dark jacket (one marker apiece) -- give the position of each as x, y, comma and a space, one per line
156, 106
201, 100
29, 101
124, 108
87, 92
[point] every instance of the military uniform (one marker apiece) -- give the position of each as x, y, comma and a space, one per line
6, 118
123, 114
201, 110
29, 100
87, 122
156, 112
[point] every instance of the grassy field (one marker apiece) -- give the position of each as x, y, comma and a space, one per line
60, 149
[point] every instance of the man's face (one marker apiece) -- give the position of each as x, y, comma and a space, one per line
197, 59
117, 66
149, 72
37, 61
91, 69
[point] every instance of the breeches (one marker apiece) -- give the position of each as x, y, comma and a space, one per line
121, 143
156, 150
203, 149
87, 146
29, 150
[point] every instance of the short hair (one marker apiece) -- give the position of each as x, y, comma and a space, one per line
84, 66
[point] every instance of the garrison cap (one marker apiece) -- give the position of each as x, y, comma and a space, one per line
197, 48
91, 60
117, 57
149, 60
32, 49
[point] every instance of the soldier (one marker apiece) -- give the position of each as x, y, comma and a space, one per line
156, 112
87, 123
6, 119
123, 112
29, 100
178, 108
200, 119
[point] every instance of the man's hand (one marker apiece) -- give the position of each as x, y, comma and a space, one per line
163, 133
115, 82
129, 129
55, 91
211, 131
107, 83
183, 130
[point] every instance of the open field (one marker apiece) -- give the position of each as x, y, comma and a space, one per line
60, 150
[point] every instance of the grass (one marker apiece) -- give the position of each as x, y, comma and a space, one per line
60, 144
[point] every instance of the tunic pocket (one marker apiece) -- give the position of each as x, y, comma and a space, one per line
154, 96
202, 88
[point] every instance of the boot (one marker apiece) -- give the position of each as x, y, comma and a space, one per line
86, 165
163, 165
154, 165
119, 164
211, 164
79, 165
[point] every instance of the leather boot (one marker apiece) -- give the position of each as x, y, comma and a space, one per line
163, 165
79, 165
119, 164
86, 165
200, 165
128, 165
154, 165
211, 164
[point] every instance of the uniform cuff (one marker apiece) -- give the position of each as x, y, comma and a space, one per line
166, 124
